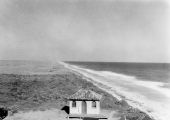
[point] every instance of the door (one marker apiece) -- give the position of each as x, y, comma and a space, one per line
84, 107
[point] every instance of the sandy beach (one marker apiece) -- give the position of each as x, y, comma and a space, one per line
146, 95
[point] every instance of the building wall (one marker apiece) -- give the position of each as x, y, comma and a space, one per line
77, 109
92, 110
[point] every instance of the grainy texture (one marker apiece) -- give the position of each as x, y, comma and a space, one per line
84, 94
47, 91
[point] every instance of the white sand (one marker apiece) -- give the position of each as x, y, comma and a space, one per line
52, 114
148, 96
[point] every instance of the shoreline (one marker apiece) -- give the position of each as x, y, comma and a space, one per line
102, 86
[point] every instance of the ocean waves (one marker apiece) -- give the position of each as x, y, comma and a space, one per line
149, 96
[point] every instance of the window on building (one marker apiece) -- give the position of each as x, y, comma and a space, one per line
74, 104
94, 104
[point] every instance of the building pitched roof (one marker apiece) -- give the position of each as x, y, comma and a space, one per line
84, 94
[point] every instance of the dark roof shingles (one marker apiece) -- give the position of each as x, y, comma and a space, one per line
83, 94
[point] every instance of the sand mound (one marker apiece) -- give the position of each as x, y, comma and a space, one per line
52, 114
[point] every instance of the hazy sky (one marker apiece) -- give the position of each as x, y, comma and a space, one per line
93, 30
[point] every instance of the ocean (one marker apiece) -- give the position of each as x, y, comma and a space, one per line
145, 86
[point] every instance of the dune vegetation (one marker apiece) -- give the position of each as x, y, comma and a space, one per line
34, 92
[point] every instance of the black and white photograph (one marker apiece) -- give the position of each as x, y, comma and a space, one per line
84, 59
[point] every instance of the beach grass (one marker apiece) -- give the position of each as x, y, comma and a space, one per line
34, 92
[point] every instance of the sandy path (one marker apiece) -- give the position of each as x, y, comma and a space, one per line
52, 114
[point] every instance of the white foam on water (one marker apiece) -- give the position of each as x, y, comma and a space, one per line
147, 96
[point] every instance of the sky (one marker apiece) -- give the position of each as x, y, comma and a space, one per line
85, 30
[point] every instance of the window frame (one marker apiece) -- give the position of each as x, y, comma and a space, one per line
74, 104
94, 104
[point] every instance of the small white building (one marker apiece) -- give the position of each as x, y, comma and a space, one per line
85, 104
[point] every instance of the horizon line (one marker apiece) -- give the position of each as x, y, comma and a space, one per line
92, 61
